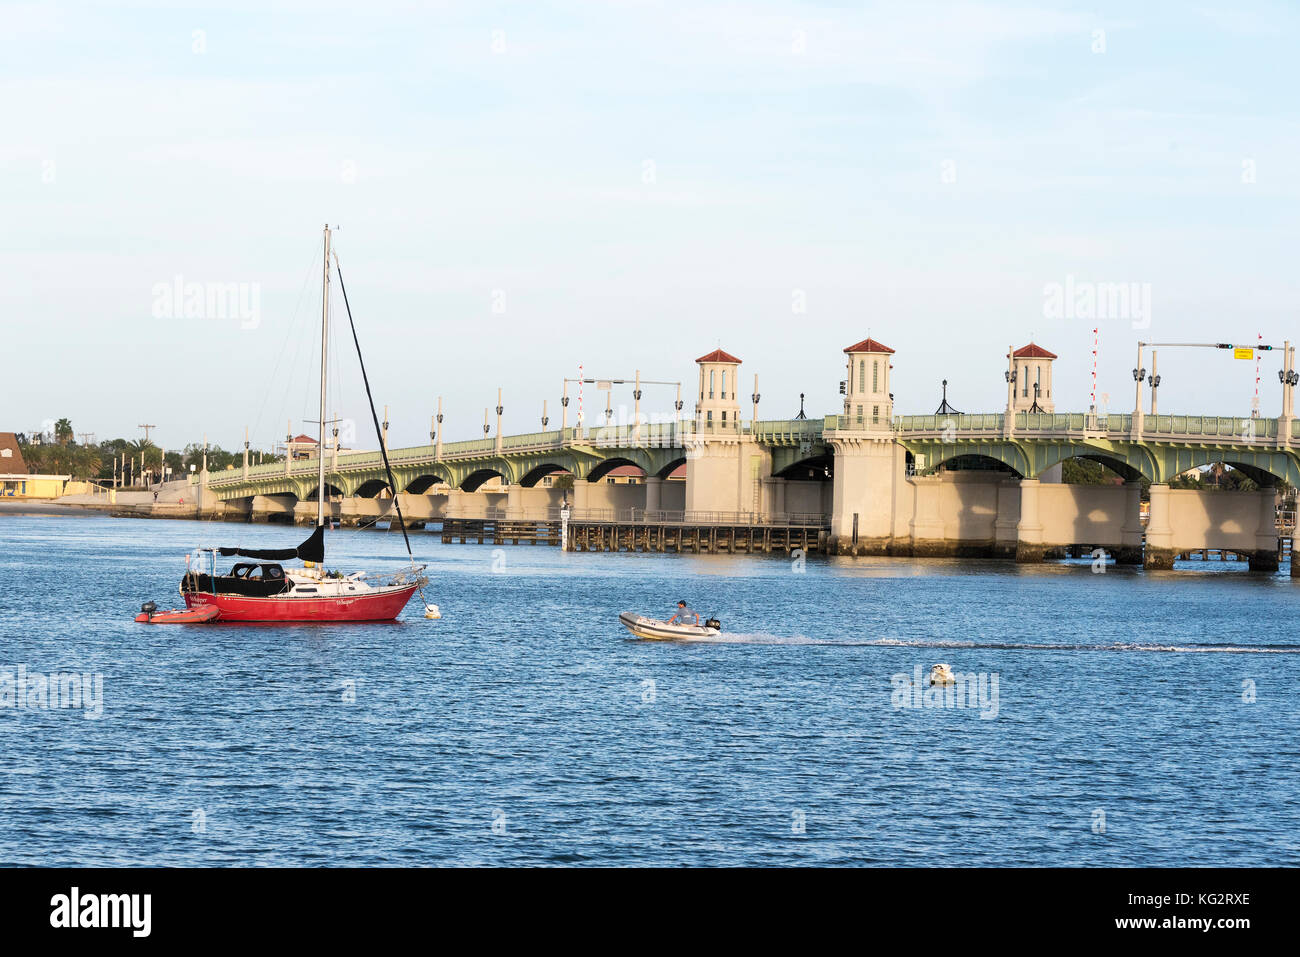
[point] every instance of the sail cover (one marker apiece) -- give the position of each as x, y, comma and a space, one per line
312, 550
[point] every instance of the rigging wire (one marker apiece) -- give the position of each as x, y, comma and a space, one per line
388, 469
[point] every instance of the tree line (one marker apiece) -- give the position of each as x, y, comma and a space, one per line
57, 453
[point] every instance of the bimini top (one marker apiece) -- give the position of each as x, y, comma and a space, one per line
869, 345
717, 355
1033, 351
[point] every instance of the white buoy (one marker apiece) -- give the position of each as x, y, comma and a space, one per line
431, 611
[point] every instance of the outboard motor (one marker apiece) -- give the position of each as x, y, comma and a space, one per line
713, 623
148, 608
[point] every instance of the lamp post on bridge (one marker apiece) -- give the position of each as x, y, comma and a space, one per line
1153, 380
1289, 378
1139, 373
564, 407
636, 413
754, 398
1009, 424
545, 418
500, 409
435, 434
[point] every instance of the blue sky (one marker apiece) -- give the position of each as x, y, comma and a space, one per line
634, 184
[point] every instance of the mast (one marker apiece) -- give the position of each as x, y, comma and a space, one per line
324, 350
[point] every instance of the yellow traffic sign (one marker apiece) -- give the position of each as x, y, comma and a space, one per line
1243, 353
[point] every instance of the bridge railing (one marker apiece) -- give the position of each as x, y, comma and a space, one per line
991, 422
552, 439
786, 430
650, 435
1211, 425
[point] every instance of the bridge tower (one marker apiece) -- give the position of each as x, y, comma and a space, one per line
718, 408
1031, 367
725, 465
867, 399
870, 466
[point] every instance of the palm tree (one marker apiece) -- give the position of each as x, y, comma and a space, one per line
63, 431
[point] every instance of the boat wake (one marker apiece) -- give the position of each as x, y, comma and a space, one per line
762, 638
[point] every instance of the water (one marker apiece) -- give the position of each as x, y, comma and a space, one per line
529, 708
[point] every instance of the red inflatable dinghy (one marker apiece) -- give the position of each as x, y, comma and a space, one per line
150, 615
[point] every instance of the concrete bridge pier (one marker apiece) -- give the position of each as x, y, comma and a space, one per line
580, 489
927, 523
272, 508
1130, 549
653, 493
1160, 534
1008, 518
1029, 530
515, 503
1265, 557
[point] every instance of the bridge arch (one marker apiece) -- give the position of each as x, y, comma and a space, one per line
670, 467
1136, 464
1264, 469
539, 472
977, 462
371, 488
1002, 453
605, 466
821, 466
330, 489
477, 477
420, 484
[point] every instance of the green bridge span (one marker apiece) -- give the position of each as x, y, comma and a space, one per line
1162, 447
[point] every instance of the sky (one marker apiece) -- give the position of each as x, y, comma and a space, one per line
522, 188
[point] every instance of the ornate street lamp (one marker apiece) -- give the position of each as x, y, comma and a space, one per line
1035, 407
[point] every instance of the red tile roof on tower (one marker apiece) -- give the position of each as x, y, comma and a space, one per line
869, 345
1033, 351
717, 355
303, 440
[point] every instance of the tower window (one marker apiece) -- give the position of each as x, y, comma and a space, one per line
875, 376
860, 407
712, 377
862, 376
875, 415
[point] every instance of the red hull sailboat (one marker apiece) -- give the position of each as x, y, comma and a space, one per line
265, 590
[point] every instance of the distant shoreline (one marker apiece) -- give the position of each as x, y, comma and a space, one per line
21, 507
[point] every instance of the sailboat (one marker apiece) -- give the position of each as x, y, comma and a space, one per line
263, 589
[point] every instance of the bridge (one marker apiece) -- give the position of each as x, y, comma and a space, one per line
872, 481
1167, 446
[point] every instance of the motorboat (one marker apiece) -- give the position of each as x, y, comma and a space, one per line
659, 630
941, 674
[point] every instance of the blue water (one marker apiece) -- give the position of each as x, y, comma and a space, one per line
523, 727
